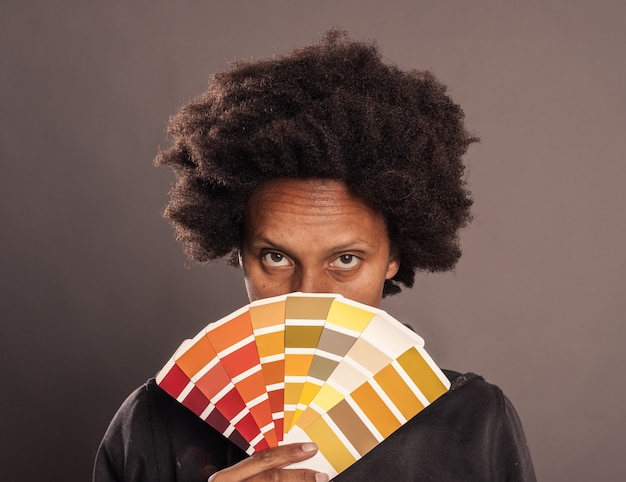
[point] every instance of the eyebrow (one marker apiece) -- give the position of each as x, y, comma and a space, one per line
354, 245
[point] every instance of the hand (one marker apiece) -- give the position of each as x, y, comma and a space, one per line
268, 466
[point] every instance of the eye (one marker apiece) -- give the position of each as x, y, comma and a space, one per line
275, 259
346, 261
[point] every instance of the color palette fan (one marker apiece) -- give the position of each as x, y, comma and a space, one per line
305, 367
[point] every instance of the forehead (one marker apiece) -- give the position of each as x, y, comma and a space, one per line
315, 208
306, 199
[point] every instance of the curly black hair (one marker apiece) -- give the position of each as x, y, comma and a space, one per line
332, 110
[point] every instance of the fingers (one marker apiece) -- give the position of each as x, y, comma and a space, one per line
268, 466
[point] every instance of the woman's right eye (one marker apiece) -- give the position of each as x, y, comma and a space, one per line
275, 259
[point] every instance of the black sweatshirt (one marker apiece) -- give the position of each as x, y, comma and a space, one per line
472, 433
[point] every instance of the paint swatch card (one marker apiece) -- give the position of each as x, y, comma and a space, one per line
305, 367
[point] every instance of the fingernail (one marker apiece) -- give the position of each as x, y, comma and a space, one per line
320, 477
309, 447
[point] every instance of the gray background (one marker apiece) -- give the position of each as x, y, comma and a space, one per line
96, 294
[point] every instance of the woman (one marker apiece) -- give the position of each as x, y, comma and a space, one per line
324, 170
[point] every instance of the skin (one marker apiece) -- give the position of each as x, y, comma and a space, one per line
267, 466
312, 236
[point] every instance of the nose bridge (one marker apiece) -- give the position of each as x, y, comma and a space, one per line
311, 280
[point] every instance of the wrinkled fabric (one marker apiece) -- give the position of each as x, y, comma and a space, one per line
472, 433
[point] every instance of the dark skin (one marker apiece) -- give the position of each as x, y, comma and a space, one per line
312, 236
269, 466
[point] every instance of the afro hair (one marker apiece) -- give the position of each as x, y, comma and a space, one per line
332, 110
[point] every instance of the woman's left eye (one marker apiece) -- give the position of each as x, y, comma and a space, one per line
346, 261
